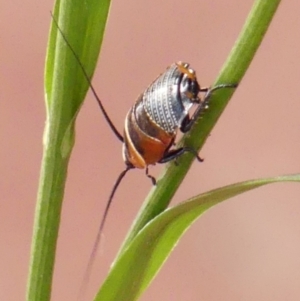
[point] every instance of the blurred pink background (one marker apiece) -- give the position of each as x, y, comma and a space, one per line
245, 249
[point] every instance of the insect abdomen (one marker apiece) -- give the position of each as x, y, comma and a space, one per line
145, 142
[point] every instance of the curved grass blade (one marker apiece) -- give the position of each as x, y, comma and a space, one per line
136, 267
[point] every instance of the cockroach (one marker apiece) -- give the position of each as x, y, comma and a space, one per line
152, 123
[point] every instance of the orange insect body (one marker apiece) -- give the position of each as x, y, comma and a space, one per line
151, 124
139, 148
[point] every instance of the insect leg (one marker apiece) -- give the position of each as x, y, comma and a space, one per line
188, 122
174, 154
153, 180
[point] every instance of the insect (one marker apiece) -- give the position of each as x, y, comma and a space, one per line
152, 123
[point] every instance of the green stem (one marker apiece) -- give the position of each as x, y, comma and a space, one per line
233, 70
65, 89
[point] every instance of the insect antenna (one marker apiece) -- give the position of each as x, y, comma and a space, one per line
116, 132
97, 241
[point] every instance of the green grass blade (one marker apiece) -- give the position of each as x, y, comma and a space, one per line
233, 70
153, 244
83, 23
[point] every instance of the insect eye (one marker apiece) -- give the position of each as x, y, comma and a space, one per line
194, 87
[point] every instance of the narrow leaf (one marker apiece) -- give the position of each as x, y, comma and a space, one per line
138, 264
